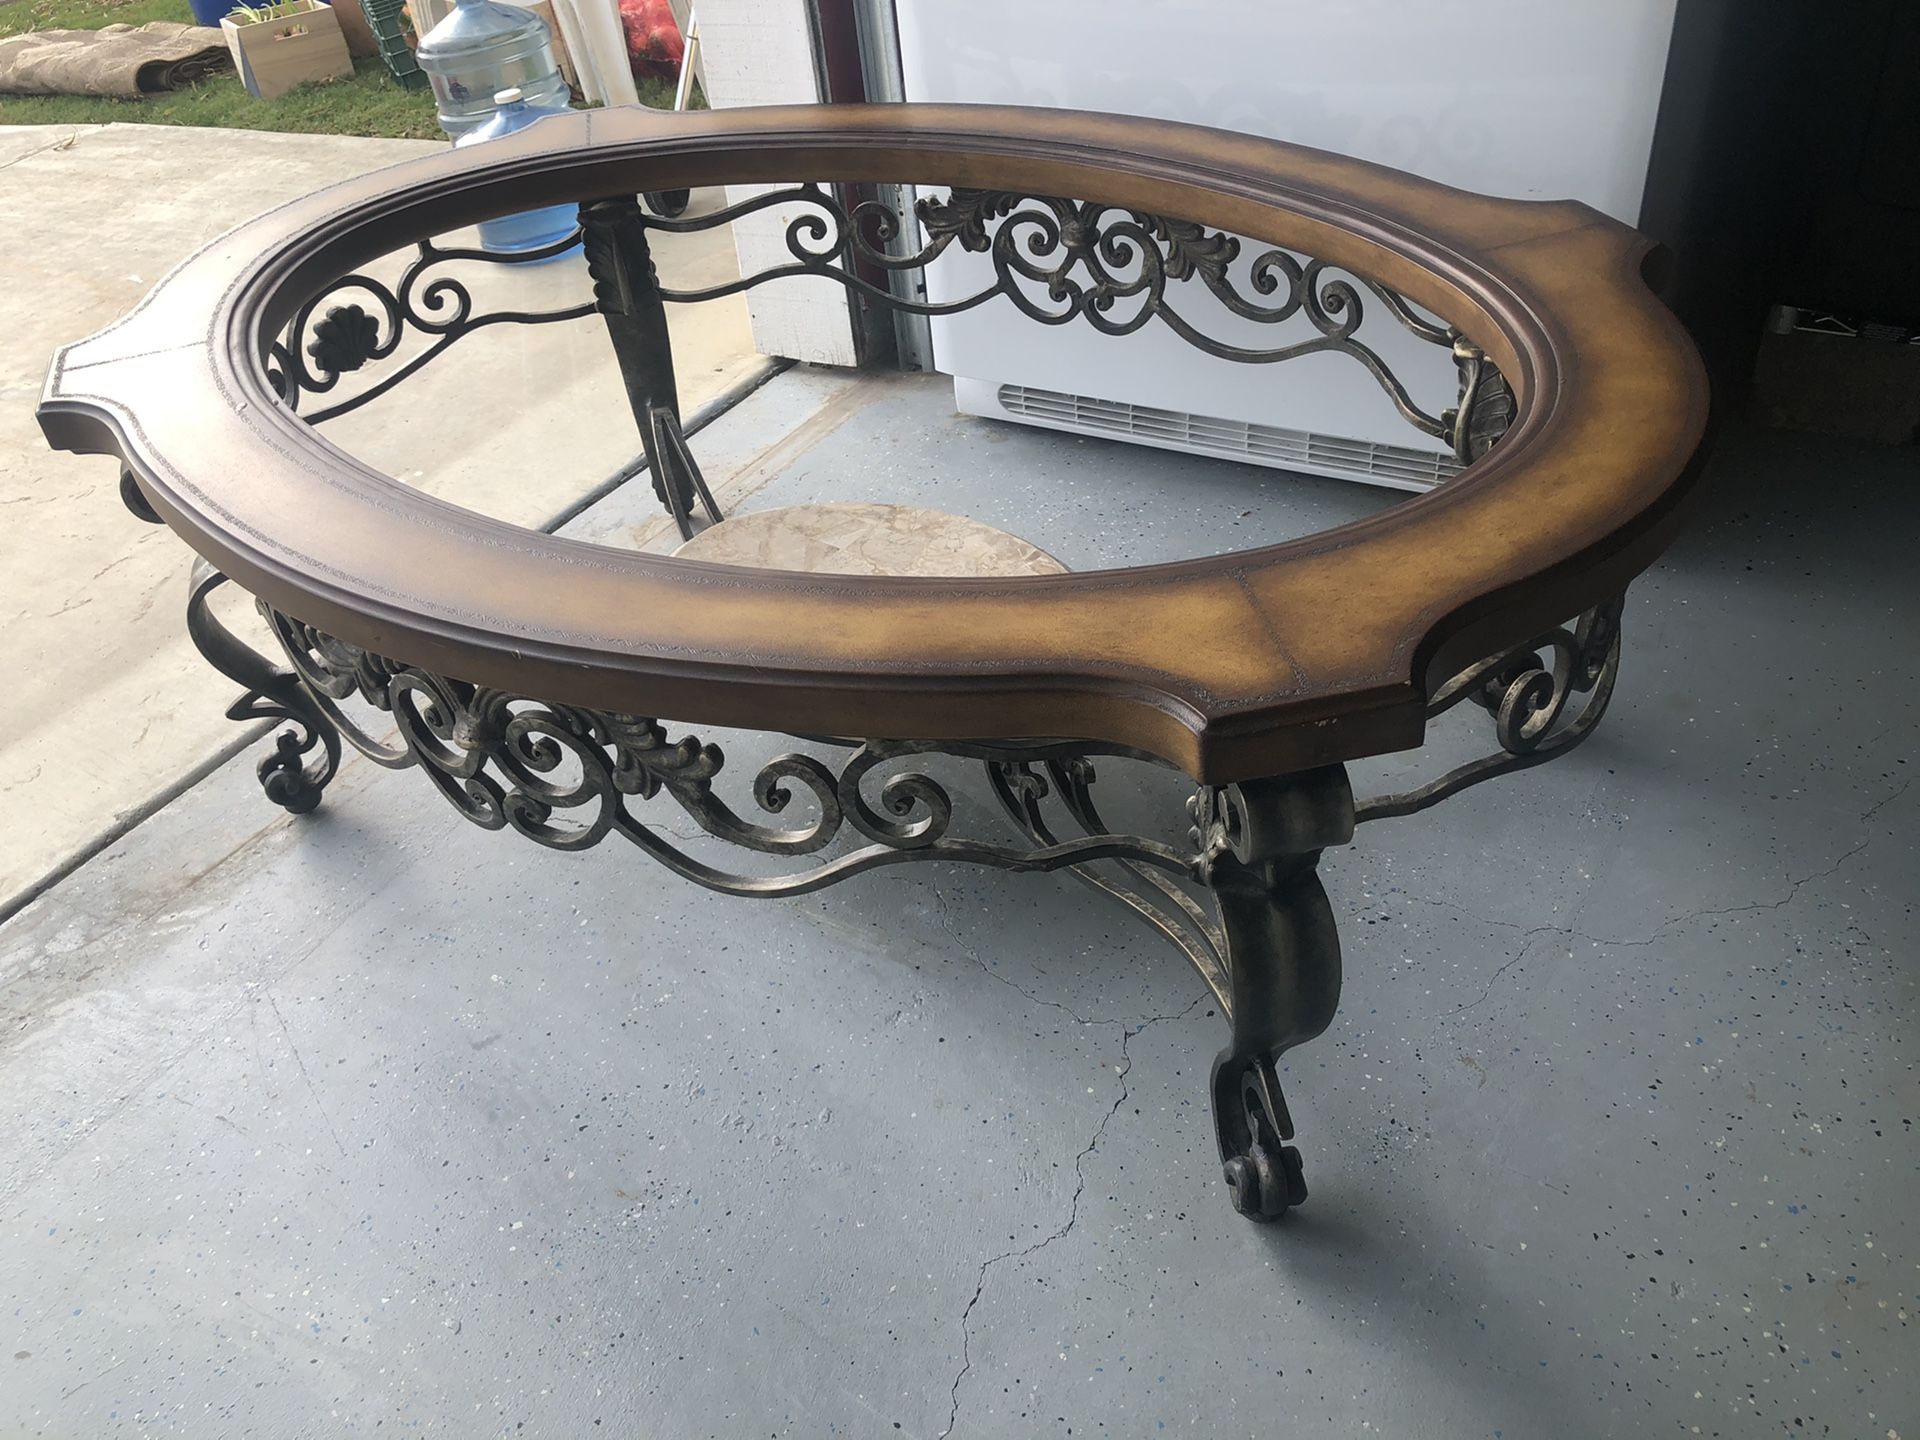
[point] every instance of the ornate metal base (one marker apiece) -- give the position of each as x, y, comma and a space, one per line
290, 779
1241, 899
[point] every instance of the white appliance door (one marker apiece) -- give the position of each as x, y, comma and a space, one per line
1509, 97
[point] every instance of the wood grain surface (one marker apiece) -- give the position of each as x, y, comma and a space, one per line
1259, 662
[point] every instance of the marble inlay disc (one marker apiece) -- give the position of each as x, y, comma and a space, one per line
858, 539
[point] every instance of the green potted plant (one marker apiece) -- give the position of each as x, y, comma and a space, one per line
276, 47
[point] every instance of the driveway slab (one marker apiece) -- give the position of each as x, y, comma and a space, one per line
92, 599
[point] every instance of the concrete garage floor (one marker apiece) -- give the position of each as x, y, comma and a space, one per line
92, 598
374, 1121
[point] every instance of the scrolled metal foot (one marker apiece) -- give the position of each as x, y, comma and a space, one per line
293, 775
1263, 1174
1261, 844
284, 775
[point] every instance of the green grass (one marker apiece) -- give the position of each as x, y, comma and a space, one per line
367, 103
86, 14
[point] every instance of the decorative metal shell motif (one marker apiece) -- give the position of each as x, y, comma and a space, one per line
344, 340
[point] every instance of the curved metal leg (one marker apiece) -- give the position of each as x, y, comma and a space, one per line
626, 292
292, 780
1262, 842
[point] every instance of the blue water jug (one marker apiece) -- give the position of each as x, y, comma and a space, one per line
530, 229
482, 48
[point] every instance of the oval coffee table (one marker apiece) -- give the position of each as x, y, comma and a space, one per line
532, 678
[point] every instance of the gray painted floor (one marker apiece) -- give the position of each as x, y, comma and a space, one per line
372, 1121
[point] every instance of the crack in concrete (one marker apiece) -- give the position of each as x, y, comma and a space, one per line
300, 1061
1883, 802
1124, 1069
944, 912
65, 142
1530, 932
1793, 891
66, 1395
1492, 980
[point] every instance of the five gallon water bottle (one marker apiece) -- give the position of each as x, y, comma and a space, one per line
481, 48
530, 229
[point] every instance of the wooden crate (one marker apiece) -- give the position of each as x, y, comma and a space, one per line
275, 55
354, 26
561, 55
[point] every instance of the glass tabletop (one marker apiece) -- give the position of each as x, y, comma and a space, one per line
529, 422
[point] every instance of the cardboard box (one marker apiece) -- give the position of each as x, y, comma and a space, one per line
1868, 389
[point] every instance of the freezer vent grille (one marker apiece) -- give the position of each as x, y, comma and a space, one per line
1265, 444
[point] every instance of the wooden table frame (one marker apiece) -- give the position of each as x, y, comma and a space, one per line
526, 675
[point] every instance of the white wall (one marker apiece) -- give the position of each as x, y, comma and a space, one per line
760, 52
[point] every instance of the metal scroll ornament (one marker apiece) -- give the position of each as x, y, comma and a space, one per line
1545, 697
568, 778
1056, 260
1241, 899
1060, 260
375, 318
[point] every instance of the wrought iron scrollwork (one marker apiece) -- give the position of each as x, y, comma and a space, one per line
1150, 890
1056, 260
334, 671
306, 754
567, 778
1545, 698
1241, 899
1059, 260
362, 319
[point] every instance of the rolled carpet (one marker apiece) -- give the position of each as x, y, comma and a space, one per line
124, 61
